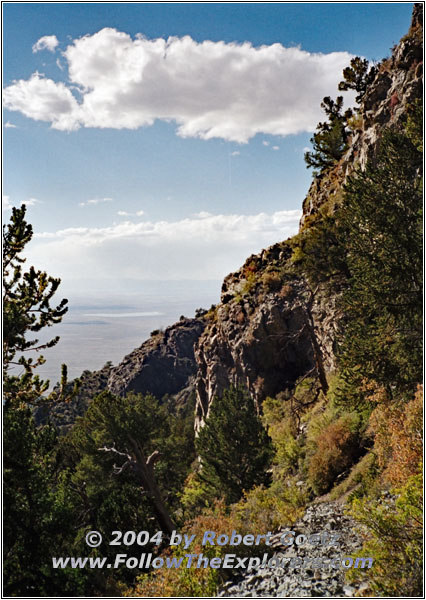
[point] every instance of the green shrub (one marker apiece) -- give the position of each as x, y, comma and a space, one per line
264, 510
282, 430
337, 448
395, 541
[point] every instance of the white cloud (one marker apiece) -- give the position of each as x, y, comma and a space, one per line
275, 147
10, 125
265, 143
235, 153
8, 204
43, 99
124, 213
209, 89
204, 246
94, 201
47, 42
31, 202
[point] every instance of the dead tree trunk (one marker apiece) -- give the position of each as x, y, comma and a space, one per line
143, 468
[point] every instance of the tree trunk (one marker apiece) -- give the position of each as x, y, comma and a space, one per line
145, 469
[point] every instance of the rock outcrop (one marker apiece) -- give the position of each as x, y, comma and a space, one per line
162, 365
265, 333
397, 83
270, 328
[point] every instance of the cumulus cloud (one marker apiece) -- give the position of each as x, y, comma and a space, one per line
94, 201
235, 153
265, 143
275, 148
9, 125
204, 246
43, 99
47, 42
209, 89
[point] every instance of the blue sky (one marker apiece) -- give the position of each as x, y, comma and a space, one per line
160, 155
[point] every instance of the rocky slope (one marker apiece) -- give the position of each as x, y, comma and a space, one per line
286, 582
270, 329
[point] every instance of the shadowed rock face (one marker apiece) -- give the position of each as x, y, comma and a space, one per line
264, 346
264, 340
163, 364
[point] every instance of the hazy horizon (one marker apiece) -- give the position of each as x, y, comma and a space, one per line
95, 330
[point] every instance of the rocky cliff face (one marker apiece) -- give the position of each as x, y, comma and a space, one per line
265, 333
163, 365
270, 328
398, 82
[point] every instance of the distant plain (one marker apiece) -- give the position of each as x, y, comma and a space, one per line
107, 328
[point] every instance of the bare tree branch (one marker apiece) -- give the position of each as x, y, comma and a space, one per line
153, 458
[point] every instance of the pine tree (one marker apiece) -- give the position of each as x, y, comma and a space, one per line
26, 310
234, 447
358, 76
129, 435
37, 516
329, 142
382, 232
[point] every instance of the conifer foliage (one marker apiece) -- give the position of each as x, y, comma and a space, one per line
330, 140
358, 76
26, 310
381, 229
234, 447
